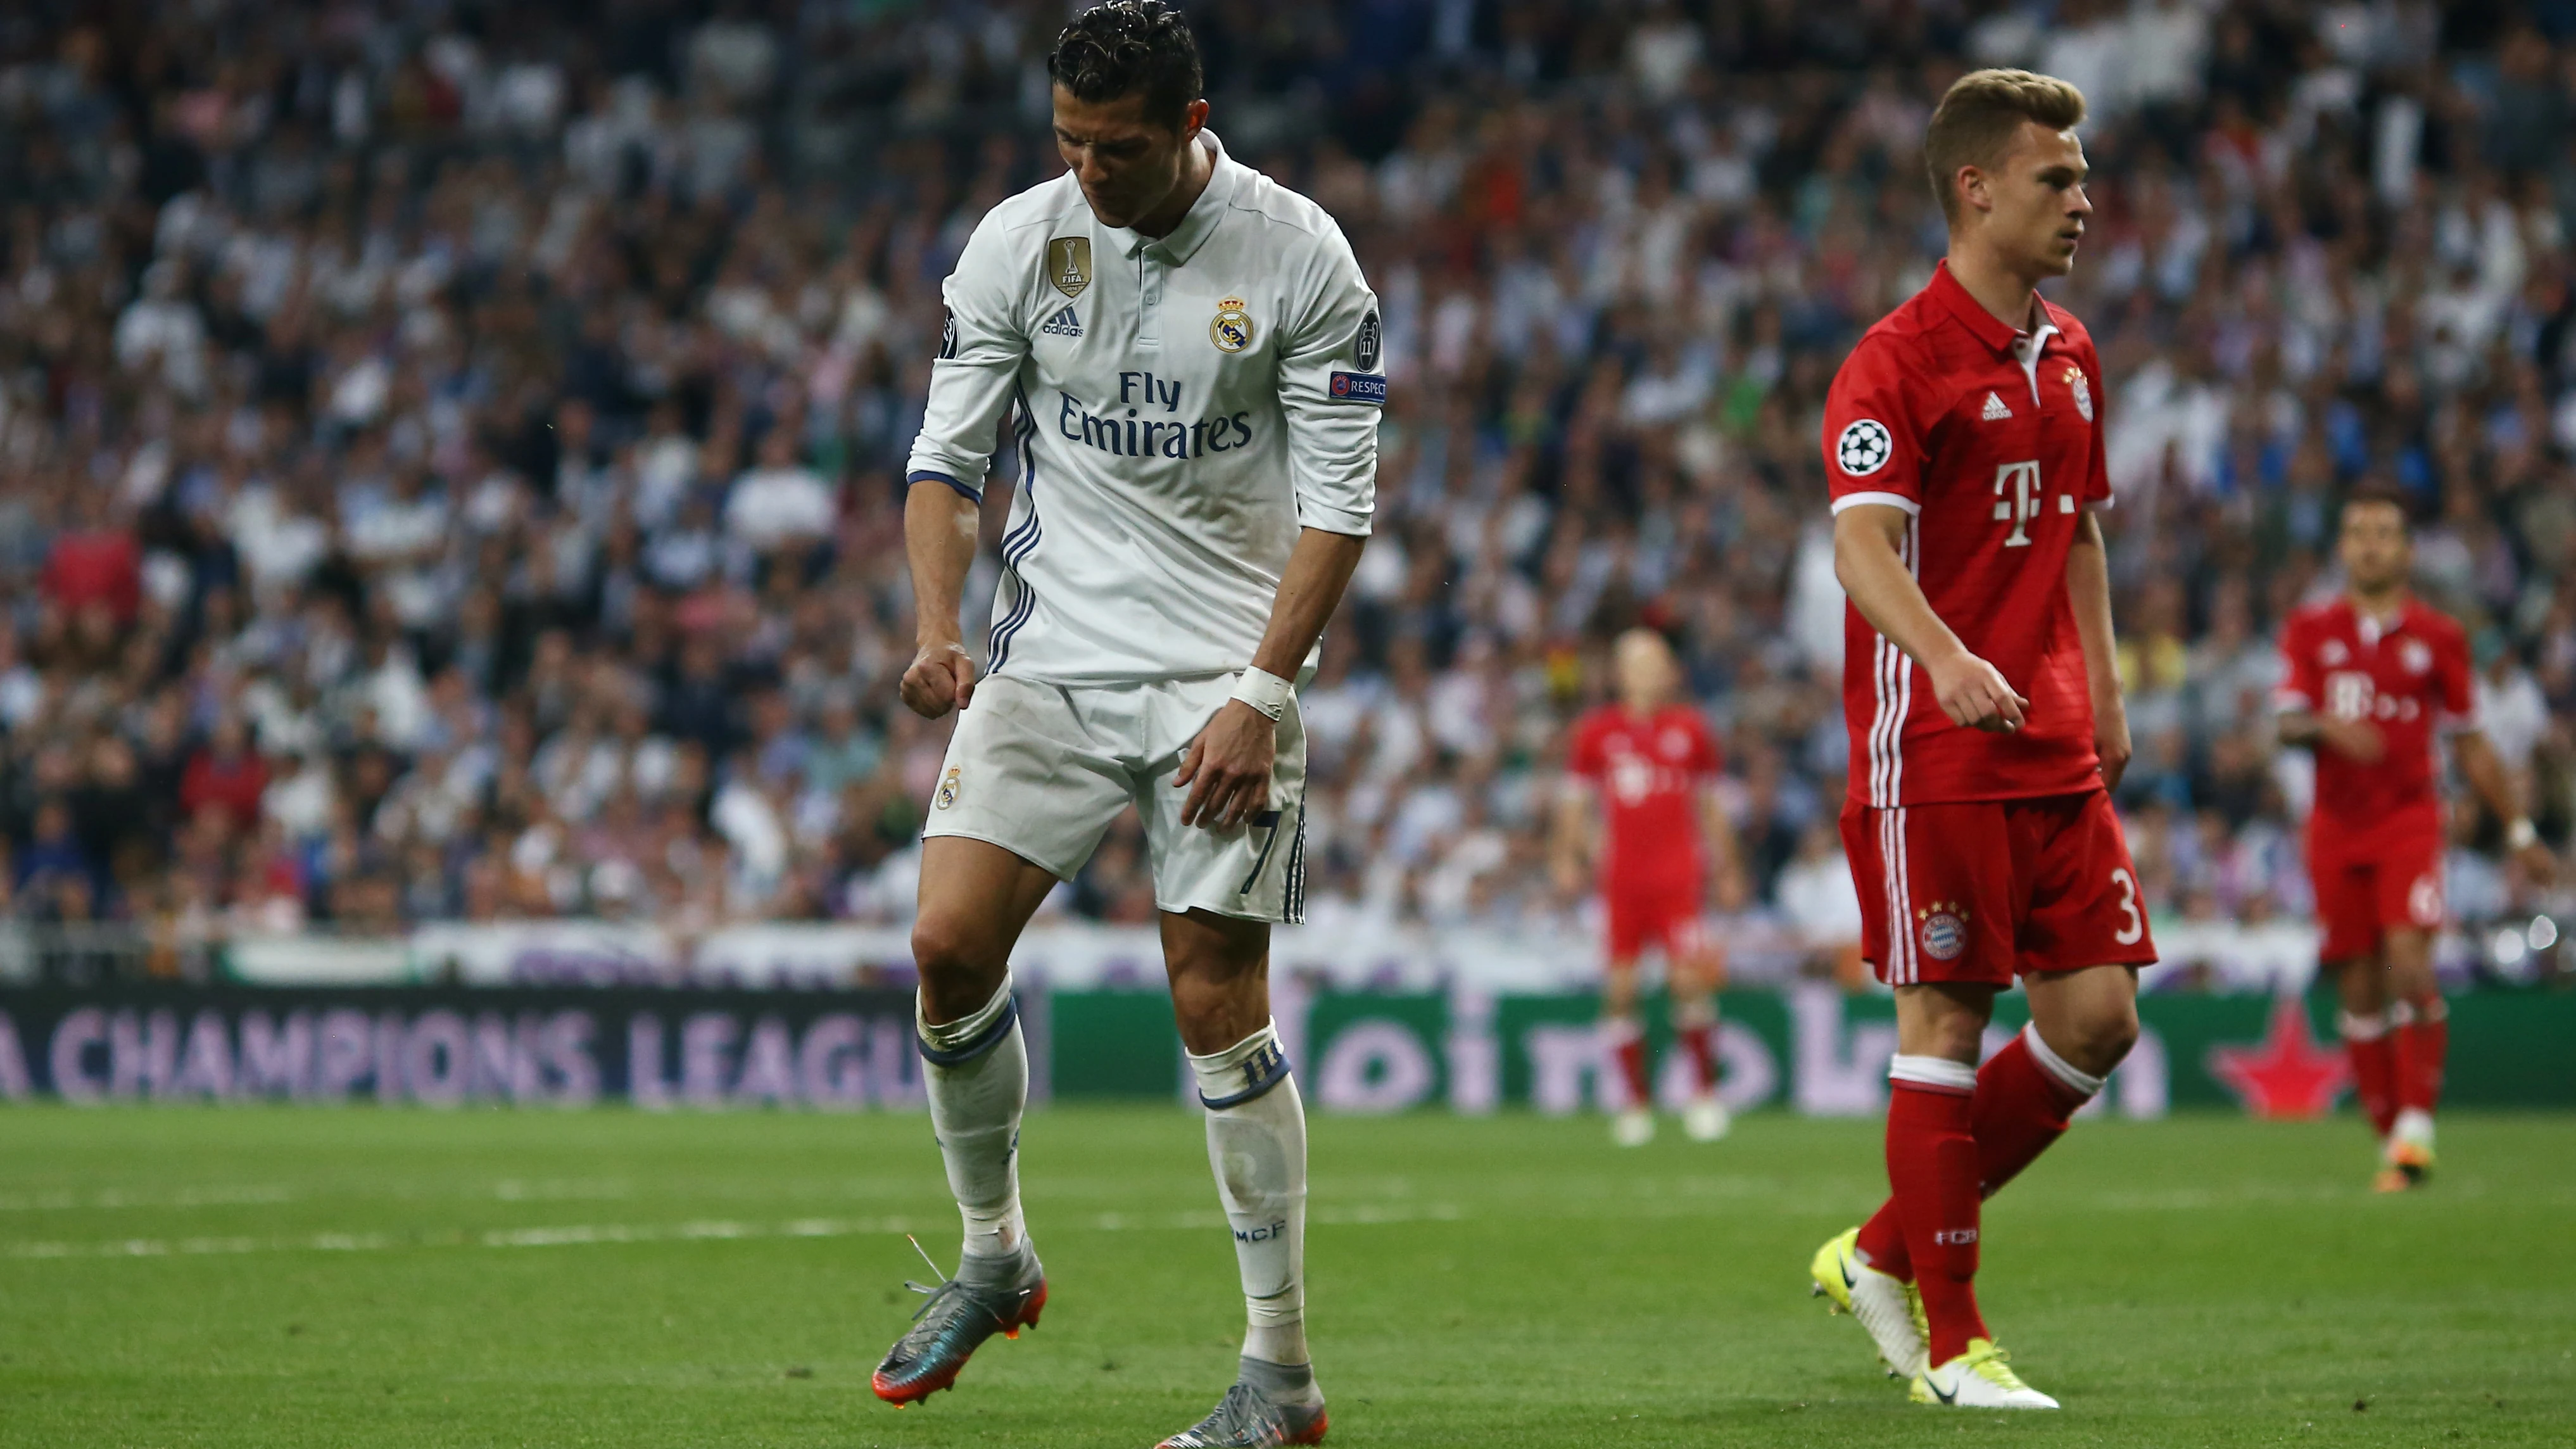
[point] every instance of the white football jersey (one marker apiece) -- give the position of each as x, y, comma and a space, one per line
1185, 404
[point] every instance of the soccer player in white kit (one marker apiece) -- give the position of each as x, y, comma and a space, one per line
1189, 356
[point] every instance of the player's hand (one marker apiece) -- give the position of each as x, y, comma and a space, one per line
1733, 894
2539, 862
2355, 739
1567, 876
2111, 742
1227, 768
1974, 693
941, 678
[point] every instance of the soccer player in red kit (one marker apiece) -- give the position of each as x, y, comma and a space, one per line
1651, 765
1963, 446
2371, 680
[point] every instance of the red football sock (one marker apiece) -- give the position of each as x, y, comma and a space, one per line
1932, 1165
1882, 1242
1628, 1047
1697, 1028
2022, 1107
2423, 1045
2374, 1066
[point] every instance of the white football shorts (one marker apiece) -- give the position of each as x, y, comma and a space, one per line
1041, 769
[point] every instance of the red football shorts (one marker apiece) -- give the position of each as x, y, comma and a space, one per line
1988, 890
2370, 882
1666, 915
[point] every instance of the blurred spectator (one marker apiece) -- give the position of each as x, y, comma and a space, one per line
448, 459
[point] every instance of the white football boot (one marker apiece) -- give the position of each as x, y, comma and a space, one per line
1981, 1378
1888, 1307
1706, 1119
1632, 1127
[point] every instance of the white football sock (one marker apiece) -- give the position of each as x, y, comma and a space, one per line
1256, 1131
976, 1072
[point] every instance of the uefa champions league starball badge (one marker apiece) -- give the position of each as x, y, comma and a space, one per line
1864, 447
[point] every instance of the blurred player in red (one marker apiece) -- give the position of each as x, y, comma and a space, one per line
1963, 447
2372, 680
1651, 765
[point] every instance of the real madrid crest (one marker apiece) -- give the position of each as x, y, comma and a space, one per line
2083, 390
1231, 328
1945, 930
948, 789
1068, 264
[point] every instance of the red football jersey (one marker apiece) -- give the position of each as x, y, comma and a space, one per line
1649, 771
2413, 680
1990, 440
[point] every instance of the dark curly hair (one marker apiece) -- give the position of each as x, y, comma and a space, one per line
1127, 46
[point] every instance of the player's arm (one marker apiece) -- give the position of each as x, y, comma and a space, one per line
2358, 739
1725, 853
2484, 770
1332, 467
2088, 589
2297, 719
1867, 540
939, 527
2300, 723
1874, 459
1227, 768
980, 351
1569, 839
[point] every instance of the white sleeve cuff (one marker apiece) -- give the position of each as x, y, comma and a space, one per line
1884, 500
2100, 505
1329, 518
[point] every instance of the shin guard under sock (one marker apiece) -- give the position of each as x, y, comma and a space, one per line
1932, 1167
2423, 1049
2373, 1053
1256, 1133
1625, 1045
975, 1072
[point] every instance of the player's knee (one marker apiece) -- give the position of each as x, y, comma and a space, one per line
2103, 1039
944, 947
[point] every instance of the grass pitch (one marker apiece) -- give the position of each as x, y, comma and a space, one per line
278, 1277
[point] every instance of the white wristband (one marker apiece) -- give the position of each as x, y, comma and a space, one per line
2519, 835
1264, 691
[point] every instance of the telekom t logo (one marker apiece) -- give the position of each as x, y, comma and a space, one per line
2017, 498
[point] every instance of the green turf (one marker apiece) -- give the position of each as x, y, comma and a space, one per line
279, 1277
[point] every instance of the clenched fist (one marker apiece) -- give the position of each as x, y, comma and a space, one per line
941, 678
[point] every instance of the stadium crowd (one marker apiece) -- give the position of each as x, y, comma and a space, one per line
449, 452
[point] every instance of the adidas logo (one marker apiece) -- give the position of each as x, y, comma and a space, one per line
1063, 324
1995, 410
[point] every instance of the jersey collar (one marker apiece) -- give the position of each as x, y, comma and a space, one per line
1176, 248
1982, 324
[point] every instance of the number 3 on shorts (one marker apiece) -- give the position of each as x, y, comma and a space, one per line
2128, 935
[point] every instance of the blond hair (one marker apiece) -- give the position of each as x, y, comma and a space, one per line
1979, 116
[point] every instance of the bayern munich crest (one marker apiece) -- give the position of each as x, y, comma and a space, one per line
1944, 931
1864, 447
2077, 384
